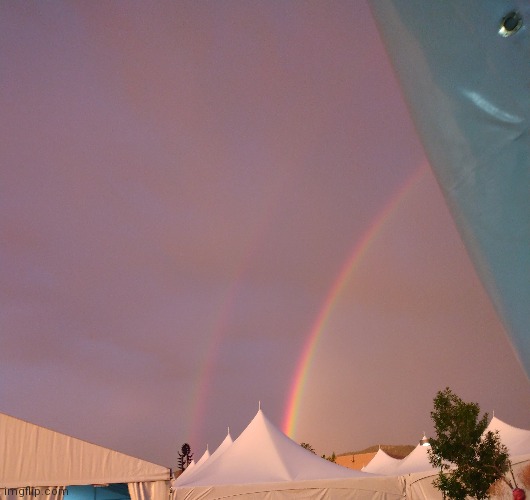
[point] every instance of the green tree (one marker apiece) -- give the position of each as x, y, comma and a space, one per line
470, 460
185, 456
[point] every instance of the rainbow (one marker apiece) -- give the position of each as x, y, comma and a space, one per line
200, 394
360, 249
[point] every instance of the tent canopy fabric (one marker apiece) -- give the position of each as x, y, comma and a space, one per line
419, 485
187, 474
36, 456
227, 442
516, 440
355, 488
416, 461
205, 456
264, 463
263, 454
417, 474
186, 471
382, 463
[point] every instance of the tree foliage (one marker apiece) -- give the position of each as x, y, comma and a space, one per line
470, 460
308, 447
185, 456
331, 458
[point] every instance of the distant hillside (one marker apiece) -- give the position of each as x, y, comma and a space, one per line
393, 450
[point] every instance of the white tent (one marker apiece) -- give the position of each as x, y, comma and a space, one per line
264, 462
187, 470
186, 476
419, 483
226, 443
382, 463
416, 461
516, 440
33, 456
205, 456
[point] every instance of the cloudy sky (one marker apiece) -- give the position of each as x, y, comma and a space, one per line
210, 204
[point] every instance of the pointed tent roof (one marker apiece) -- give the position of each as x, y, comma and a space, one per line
206, 457
516, 440
416, 461
41, 457
186, 471
382, 463
261, 454
226, 443
190, 466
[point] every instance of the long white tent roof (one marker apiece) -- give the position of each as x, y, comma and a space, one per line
31, 455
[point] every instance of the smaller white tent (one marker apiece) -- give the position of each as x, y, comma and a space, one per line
382, 463
416, 461
188, 473
187, 470
205, 456
225, 444
419, 483
516, 440
264, 463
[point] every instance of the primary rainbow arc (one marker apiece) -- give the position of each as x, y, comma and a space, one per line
358, 252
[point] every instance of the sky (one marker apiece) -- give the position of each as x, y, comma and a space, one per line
211, 205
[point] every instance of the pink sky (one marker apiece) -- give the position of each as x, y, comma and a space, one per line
180, 185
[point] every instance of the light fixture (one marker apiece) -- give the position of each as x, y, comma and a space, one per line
424, 441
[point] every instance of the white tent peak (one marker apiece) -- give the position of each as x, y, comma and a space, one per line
382, 463
416, 461
226, 443
205, 456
